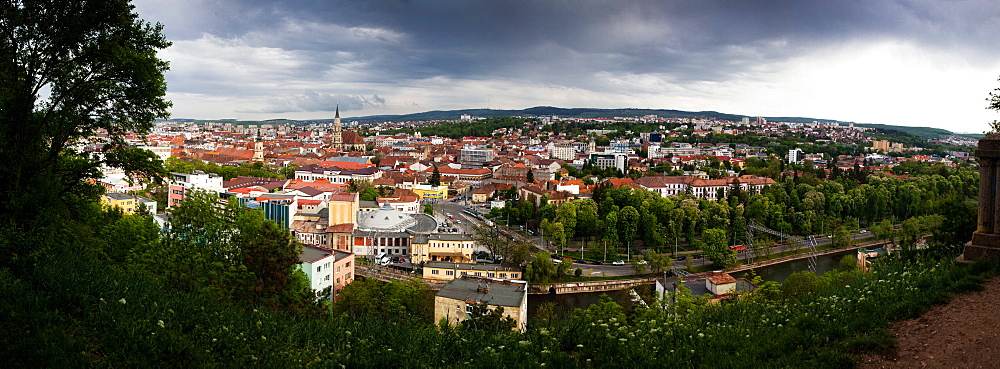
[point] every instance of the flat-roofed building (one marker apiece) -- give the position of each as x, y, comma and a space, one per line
447, 270
456, 300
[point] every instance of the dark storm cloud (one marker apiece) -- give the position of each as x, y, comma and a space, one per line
566, 42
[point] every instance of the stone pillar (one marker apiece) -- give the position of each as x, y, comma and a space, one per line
986, 240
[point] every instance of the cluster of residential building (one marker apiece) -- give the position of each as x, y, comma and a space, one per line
318, 207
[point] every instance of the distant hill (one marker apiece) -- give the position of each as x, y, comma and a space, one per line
922, 132
573, 113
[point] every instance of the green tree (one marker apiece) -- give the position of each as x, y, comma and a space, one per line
716, 248
71, 69
531, 176
272, 258
482, 318
435, 179
609, 228
540, 269
227, 251
800, 284
567, 216
882, 230
842, 237
429, 209
409, 299
639, 264
513, 252
628, 225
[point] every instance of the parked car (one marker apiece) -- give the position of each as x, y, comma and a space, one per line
641, 262
581, 261
597, 262
619, 262
681, 258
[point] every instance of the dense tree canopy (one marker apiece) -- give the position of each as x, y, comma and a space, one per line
73, 69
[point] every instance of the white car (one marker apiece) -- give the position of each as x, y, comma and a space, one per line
619, 262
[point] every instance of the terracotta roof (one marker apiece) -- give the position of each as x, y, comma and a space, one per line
306, 202
341, 228
721, 278
343, 196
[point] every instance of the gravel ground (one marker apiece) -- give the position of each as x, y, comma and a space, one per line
964, 333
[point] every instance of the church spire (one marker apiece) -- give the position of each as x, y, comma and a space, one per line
337, 136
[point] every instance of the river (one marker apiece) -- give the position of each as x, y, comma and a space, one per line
566, 303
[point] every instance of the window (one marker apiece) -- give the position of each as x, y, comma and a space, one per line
464, 273
434, 271
451, 272
491, 275
503, 275
468, 308
319, 268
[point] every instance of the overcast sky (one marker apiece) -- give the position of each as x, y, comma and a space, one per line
916, 63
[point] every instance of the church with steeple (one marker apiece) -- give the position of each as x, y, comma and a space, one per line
341, 140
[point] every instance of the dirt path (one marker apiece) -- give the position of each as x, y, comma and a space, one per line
965, 333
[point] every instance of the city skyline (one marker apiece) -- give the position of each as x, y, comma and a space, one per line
901, 63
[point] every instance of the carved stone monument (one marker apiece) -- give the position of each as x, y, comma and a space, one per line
986, 240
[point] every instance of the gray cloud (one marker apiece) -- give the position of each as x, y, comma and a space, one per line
351, 48
312, 101
562, 40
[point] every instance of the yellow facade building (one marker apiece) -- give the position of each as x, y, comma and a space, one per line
441, 247
449, 271
430, 193
129, 204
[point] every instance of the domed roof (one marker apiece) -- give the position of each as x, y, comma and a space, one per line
386, 218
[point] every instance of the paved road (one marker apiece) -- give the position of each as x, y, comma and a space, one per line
456, 208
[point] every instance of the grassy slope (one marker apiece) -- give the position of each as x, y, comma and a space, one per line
70, 314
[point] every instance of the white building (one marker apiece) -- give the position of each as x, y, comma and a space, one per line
326, 268
182, 183
795, 156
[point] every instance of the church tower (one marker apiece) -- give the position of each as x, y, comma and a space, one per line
258, 148
337, 136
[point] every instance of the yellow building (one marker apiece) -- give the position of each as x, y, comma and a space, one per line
456, 299
441, 247
343, 208
129, 204
430, 193
449, 271
882, 145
